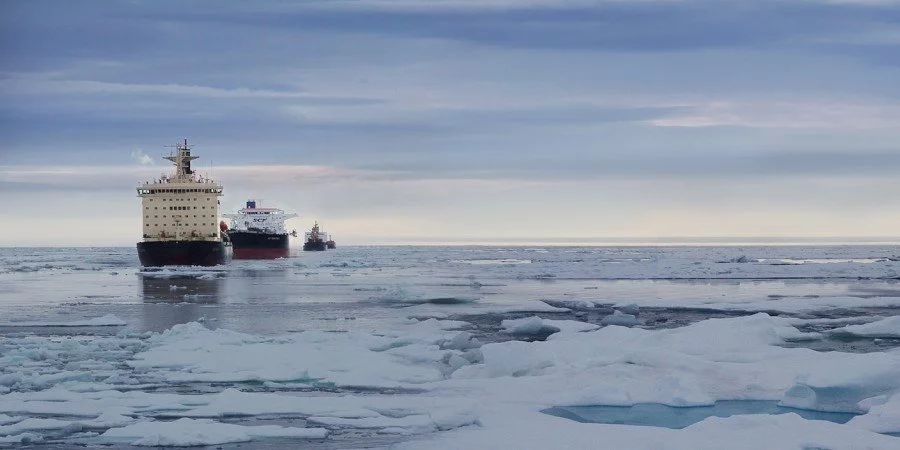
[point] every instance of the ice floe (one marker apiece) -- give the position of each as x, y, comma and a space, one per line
620, 318
186, 432
535, 325
452, 382
749, 432
184, 272
108, 320
882, 414
885, 328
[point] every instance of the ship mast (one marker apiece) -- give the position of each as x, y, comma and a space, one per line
182, 160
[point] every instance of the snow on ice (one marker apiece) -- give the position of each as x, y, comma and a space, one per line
885, 328
108, 320
480, 399
186, 432
439, 384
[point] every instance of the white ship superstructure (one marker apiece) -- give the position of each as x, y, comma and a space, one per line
255, 218
181, 207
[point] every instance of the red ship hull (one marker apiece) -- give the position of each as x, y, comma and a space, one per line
261, 253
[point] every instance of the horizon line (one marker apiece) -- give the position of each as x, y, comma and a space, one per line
708, 241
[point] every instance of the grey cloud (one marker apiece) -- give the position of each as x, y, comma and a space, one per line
213, 72
623, 26
473, 167
171, 29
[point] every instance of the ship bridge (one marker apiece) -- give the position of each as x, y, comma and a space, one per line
180, 206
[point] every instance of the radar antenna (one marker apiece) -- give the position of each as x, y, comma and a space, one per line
182, 160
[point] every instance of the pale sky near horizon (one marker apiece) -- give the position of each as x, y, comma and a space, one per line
458, 120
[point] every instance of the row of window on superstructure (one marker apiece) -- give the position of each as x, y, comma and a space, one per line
174, 216
180, 191
180, 199
172, 225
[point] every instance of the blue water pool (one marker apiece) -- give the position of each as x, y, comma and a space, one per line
657, 415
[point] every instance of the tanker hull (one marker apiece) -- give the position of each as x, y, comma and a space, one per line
253, 245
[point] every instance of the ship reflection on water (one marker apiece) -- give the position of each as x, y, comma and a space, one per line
177, 300
181, 289
239, 285
251, 299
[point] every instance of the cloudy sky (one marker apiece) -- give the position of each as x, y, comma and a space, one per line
458, 120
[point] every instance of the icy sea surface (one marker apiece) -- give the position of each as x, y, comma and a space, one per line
455, 348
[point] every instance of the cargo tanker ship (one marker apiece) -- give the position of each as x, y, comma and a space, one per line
315, 240
259, 233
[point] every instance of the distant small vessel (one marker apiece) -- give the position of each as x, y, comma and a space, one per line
315, 240
330, 243
259, 233
180, 217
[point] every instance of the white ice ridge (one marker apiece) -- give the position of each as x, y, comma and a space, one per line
884, 328
461, 393
791, 304
192, 432
108, 320
535, 431
883, 415
185, 272
535, 325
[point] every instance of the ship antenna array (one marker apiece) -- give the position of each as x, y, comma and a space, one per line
182, 160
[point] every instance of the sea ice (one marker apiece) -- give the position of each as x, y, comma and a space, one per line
620, 318
24, 438
108, 320
533, 325
536, 326
882, 417
521, 430
5, 419
184, 272
838, 385
186, 432
190, 352
739, 260
885, 328
487, 394
461, 341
